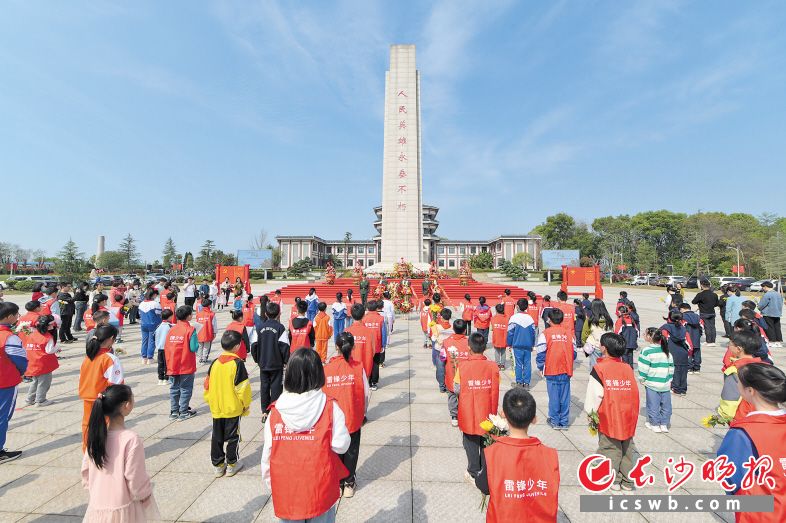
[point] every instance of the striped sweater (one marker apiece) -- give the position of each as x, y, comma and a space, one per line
655, 368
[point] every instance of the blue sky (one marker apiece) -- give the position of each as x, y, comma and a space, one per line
216, 119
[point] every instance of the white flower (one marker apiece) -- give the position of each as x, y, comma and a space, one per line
499, 422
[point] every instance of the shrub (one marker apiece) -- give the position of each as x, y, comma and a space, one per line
24, 285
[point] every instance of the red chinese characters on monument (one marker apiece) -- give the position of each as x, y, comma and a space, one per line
402, 188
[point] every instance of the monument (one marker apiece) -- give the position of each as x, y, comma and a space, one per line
402, 212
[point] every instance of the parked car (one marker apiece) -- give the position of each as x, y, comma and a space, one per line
638, 280
666, 281
756, 286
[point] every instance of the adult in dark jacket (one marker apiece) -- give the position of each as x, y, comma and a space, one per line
271, 352
67, 310
707, 301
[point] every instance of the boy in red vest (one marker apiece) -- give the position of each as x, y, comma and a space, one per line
477, 386
508, 303
424, 321
374, 321
743, 347
207, 332
556, 353
455, 348
365, 344
515, 461
41, 347
301, 330
499, 335
13, 364
323, 331
180, 350
237, 325
612, 393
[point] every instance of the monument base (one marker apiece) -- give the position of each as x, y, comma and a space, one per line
388, 268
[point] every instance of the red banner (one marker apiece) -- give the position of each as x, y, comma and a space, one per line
584, 279
233, 272
738, 269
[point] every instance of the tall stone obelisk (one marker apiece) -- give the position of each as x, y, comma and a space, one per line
402, 216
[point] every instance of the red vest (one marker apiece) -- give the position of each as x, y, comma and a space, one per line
238, 327
534, 312
510, 305
205, 317
300, 337
177, 350
38, 361
89, 323
559, 351
768, 434
459, 341
499, 331
743, 408
30, 318
619, 410
46, 308
424, 317
373, 320
9, 374
364, 348
523, 477
482, 318
344, 383
304, 471
248, 315
479, 395
469, 309
569, 310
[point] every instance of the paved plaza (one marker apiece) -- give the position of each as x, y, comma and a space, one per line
411, 460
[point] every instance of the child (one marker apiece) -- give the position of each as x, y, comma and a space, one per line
13, 363
481, 318
545, 307
750, 324
694, 327
613, 394
113, 468
294, 465
499, 335
656, 369
41, 347
248, 314
228, 393
389, 314
364, 347
116, 311
455, 348
580, 317
150, 314
99, 304
424, 321
467, 310
30, 318
760, 433
339, 312
237, 302
99, 369
626, 327
159, 337
352, 395
556, 353
212, 293
312, 301
374, 321
477, 386
439, 332
168, 300
521, 340
512, 454
508, 303
99, 318
680, 348
301, 330
180, 349
743, 345
322, 329
237, 325
207, 333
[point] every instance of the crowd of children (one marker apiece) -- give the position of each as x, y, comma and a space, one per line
306, 391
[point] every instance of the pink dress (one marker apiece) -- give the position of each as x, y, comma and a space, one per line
117, 489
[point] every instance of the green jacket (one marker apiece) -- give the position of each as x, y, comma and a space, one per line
363, 286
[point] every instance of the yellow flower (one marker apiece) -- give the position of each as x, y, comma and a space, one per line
706, 422
486, 425
593, 431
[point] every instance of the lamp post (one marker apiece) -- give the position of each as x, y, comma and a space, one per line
737, 248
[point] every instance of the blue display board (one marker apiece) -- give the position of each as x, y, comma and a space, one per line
256, 259
555, 259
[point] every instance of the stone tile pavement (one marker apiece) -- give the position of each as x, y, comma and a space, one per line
411, 460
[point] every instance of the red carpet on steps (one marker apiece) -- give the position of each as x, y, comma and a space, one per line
453, 288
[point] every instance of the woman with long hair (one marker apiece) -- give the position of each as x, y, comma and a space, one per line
597, 323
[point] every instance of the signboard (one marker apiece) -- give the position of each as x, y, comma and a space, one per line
738, 269
555, 259
256, 259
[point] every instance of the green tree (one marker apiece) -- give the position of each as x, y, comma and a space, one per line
112, 260
204, 261
275, 257
663, 230
522, 259
561, 231
775, 256
614, 239
170, 255
347, 239
481, 260
130, 253
646, 257
188, 260
70, 263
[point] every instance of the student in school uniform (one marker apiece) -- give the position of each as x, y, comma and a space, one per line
626, 327
508, 302
424, 322
374, 321
613, 394
301, 329
207, 333
455, 348
477, 385
467, 310
339, 311
515, 457
521, 340
499, 335
744, 346
556, 354
323, 331
481, 318
365, 339
694, 327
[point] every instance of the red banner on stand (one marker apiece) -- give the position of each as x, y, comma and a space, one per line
233, 272
578, 280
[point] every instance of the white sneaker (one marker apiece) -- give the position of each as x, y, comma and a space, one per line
615, 486
349, 491
653, 428
454, 422
664, 428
